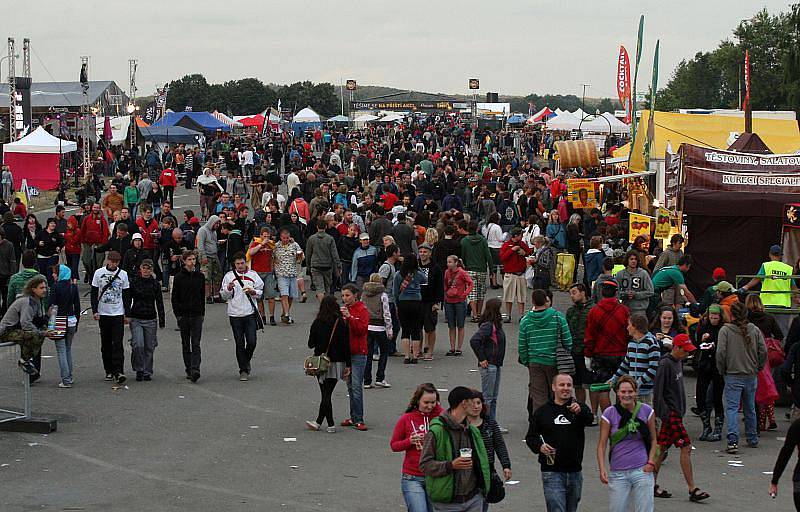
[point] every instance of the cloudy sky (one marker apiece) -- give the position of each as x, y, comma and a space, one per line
513, 46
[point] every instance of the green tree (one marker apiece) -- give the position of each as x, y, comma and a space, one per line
190, 91
791, 61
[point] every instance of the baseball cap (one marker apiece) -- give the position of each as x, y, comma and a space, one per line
776, 250
609, 282
363, 236
715, 308
426, 246
719, 274
724, 286
147, 262
683, 341
194, 220
458, 394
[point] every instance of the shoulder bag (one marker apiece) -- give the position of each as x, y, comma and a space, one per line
564, 361
318, 365
259, 320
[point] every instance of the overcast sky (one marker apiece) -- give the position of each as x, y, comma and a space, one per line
513, 46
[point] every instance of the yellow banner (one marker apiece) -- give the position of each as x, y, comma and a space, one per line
582, 193
663, 224
639, 225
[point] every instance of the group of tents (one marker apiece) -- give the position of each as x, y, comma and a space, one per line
563, 120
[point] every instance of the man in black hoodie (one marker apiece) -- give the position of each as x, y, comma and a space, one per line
147, 304
556, 434
189, 309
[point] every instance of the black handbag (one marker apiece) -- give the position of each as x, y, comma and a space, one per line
497, 490
564, 361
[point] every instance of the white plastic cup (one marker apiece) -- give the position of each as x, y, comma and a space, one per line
466, 453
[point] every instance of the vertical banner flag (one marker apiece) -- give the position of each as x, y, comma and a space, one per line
624, 82
635, 78
638, 225
651, 123
663, 224
746, 102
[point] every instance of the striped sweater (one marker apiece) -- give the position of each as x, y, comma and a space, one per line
641, 363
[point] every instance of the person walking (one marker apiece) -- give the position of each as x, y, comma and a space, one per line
628, 431
576, 319
635, 285
147, 305
364, 263
641, 359
407, 437
789, 446
379, 331
241, 287
322, 258
329, 336
489, 345
8, 266
64, 295
432, 297
286, 257
741, 354
356, 316
207, 254
556, 434
709, 379
111, 308
454, 459
408, 297
492, 434
189, 309
540, 332
513, 254
477, 261
669, 398
458, 285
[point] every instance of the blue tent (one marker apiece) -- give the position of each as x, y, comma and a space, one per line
174, 134
516, 119
194, 121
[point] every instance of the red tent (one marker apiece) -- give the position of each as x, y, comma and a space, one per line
540, 116
256, 121
35, 157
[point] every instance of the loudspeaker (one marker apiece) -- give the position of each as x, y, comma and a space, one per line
492, 97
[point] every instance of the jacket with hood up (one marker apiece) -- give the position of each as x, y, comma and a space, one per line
476, 254
206, 240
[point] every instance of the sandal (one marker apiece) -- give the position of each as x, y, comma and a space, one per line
450, 353
697, 495
428, 357
658, 492
457, 353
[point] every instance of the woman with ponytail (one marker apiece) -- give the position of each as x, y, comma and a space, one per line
741, 354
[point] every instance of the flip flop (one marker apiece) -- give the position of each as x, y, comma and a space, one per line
697, 495
658, 492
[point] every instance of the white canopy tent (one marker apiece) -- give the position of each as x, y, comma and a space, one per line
232, 122
564, 121
120, 128
40, 141
617, 126
392, 118
365, 118
579, 114
307, 115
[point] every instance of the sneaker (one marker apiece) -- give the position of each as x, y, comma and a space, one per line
28, 367
772, 426
376, 357
331, 430
289, 320
272, 321
733, 447
407, 360
507, 320
188, 375
64, 385
284, 319
139, 376
360, 426
368, 386
121, 378
148, 378
382, 384
243, 377
165, 289
752, 444
210, 300
312, 425
347, 423
195, 376
109, 377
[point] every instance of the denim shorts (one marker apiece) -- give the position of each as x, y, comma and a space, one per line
456, 314
287, 286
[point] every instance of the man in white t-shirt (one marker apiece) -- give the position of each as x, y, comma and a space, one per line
247, 162
110, 303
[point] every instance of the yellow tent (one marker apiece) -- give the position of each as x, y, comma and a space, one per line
782, 136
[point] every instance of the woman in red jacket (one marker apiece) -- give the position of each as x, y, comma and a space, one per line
457, 285
408, 434
356, 316
72, 246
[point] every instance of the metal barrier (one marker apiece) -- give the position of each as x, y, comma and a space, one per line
26, 383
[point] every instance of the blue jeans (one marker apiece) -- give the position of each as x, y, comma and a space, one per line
144, 340
490, 386
414, 494
456, 314
562, 491
377, 340
64, 351
631, 483
355, 387
744, 387
244, 336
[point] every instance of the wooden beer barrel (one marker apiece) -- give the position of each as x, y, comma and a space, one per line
577, 153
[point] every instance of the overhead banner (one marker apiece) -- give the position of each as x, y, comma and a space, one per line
719, 170
638, 225
624, 82
582, 193
408, 105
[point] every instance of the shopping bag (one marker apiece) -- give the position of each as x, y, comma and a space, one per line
565, 269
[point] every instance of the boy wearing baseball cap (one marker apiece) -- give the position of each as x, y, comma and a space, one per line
670, 406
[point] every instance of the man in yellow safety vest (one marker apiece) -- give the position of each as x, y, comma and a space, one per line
775, 292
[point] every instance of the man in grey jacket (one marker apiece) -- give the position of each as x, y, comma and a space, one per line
207, 247
635, 285
322, 258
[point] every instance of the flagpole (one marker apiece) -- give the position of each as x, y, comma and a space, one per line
634, 121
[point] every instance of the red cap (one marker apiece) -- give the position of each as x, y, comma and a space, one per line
683, 341
719, 274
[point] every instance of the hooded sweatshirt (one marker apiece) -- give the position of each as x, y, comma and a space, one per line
639, 283
539, 333
206, 240
736, 356
65, 295
475, 252
358, 324
377, 302
409, 423
457, 285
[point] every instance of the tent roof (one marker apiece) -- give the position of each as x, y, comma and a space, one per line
516, 119
603, 123
781, 136
339, 119
307, 115
541, 115
40, 141
365, 118
225, 119
177, 134
256, 120
203, 119
120, 128
563, 121
65, 94
750, 143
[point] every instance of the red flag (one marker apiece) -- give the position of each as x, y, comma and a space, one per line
746, 102
624, 82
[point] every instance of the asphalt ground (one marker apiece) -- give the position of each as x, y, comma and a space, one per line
220, 444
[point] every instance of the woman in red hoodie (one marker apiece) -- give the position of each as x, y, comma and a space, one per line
356, 316
408, 434
72, 246
457, 286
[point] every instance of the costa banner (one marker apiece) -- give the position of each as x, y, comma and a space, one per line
624, 82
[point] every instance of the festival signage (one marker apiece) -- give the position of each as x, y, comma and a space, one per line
474, 84
791, 215
408, 105
582, 193
624, 82
638, 225
719, 170
350, 85
663, 224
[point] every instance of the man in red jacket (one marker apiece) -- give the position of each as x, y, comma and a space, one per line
606, 339
94, 231
512, 257
168, 182
356, 315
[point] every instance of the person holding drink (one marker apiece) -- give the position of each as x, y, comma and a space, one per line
408, 436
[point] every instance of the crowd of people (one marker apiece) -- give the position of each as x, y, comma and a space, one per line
403, 222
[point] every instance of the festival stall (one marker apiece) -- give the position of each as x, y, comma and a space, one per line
35, 157
225, 119
306, 119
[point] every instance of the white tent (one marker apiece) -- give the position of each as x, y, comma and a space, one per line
365, 118
40, 141
617, 126
564, 121
307, 115
120, 128
392, 118
232, 122
579, 114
